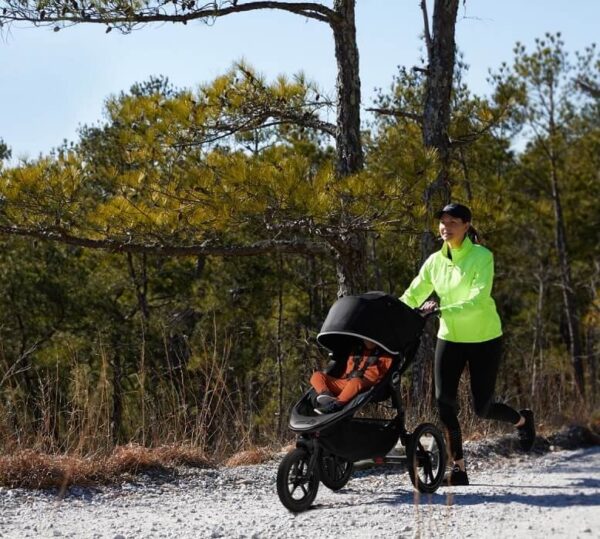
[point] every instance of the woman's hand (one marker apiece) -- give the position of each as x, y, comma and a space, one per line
429, 307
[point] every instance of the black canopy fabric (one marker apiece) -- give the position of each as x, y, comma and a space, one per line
376, 316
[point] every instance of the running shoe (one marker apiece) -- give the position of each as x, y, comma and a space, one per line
323, 399
456, 478
526, 432
329, 408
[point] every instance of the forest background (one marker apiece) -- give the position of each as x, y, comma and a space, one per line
165, 275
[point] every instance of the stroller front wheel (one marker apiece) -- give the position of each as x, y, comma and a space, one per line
427, 457
297, 486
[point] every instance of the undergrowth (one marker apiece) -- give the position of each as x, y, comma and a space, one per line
33, 469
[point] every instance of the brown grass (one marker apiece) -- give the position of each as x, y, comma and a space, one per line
32, 469
256, 455
288, 447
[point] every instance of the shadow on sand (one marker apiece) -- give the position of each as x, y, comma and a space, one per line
554, 499
559, 495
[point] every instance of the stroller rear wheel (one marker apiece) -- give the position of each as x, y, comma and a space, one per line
296, 486
334, 471
426, 454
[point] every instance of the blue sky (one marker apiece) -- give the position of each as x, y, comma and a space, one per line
53, 82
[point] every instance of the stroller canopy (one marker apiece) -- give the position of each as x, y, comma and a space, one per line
376, 316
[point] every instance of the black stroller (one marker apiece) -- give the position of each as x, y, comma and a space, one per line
328, 445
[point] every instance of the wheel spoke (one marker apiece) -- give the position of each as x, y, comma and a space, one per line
431, 443
295, 481
420, 455
428, 471
298, 478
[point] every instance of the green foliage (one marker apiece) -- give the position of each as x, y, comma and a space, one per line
161, 167
5, 152
117, 347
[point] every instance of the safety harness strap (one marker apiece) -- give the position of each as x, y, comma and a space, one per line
358, 371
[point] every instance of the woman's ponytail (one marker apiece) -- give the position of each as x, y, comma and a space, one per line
473, 234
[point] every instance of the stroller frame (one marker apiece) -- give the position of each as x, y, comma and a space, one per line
328, 445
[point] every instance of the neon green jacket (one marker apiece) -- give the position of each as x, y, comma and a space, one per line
464, 285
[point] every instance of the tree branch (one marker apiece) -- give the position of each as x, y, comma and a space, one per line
256, 119
399, 114
469, 138
427, 31
64, 12
588, 87
206, 248
303, 120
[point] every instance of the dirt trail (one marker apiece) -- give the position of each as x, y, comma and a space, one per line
553, 495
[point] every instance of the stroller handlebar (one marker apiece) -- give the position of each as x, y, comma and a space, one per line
426, 315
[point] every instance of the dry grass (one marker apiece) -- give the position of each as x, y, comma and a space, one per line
257, 455
32, 469
288, 447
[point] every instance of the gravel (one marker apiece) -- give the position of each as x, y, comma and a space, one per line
556, 494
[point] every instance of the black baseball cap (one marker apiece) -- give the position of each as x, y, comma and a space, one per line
456, 210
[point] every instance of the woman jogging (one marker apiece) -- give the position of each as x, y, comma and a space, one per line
462, 274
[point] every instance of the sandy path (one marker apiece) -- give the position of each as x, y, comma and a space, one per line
553, 495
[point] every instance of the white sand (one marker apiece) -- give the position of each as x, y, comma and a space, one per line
553, 495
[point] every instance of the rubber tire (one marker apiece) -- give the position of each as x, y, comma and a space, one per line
434, 481
298, 458
340, 477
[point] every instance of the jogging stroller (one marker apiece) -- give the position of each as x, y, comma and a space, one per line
328, 445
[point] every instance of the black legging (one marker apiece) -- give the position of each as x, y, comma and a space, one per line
483, 359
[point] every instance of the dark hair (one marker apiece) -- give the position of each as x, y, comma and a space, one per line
473, 234
455, 210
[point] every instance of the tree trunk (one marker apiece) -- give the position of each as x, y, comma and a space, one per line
441, 51
348, 138
592, 339
438, 90
351, 262
569, 300
279, 351
375, 262
116, 421
140, 282
350, 247
570, 303
537, 347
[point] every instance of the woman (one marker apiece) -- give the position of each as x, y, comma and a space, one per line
461, 274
